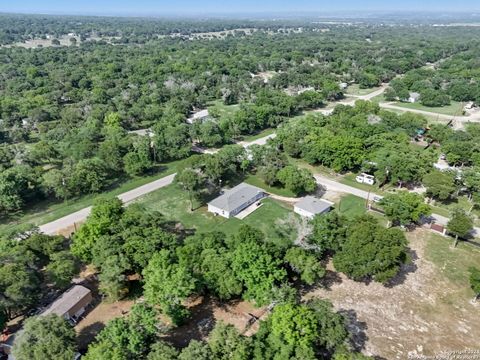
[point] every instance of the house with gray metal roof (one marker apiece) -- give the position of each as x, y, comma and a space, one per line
71, 304
310, 206
236, 199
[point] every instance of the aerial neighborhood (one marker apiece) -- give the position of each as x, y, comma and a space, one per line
231, 186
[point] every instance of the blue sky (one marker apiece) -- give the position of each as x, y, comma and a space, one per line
159, 7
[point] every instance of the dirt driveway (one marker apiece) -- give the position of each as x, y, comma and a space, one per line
425, 313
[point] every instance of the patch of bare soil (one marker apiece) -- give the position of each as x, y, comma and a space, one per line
420, 313
96, 320
206, 311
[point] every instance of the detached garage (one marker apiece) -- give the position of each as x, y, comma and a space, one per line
310, 206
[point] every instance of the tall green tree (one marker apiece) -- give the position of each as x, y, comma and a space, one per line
305, 264
298, 181
46, 337
404, 207
371, 251
440, 185
168, 284
190, 180
460, 224
101, 221
475, 281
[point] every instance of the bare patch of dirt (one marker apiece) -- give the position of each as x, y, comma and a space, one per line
96, 320
206, 311
421, 313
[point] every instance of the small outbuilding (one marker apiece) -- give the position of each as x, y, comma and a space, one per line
236, 199
72, 304
413, 97
310, 206
198, 116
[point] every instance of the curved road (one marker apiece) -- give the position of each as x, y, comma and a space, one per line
69, 221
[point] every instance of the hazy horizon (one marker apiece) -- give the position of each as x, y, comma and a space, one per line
248, 7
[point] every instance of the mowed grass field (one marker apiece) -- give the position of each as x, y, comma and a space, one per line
355, 89
455, 108
174, 204
453, 263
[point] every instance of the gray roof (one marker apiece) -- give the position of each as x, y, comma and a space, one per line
414, 95
314, 205
235, 197
67, 300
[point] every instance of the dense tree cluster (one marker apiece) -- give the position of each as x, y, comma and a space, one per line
361, 247
30, 268
50, 337
360, 138
65, 111
456, 78
120, 242
294, 330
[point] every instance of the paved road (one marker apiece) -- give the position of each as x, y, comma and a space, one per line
77, 217
458, 123
371, 95
69, 221
333, 185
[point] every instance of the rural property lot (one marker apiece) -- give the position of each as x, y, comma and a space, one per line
427, 312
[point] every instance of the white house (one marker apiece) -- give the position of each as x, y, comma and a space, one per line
413, 97
310, 206
198, 116
234, 200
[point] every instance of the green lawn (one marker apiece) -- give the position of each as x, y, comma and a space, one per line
462, 202
452, 262
259, 134
50, 210
174, 204
455, 108
256, 181
315, 169
378, 99
223, 110
351, 206
354, 89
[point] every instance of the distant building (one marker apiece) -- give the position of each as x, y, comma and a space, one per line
71, 304
198, 116
343, 85
233, 201
413, 97
310, 206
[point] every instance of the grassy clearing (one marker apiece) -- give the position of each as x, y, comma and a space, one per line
50, 210
455, 108
379, 99
351, 206
255, 180
453, 263
174, 204
315, 169
218, 107
355, 89
445, 209
259, 135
